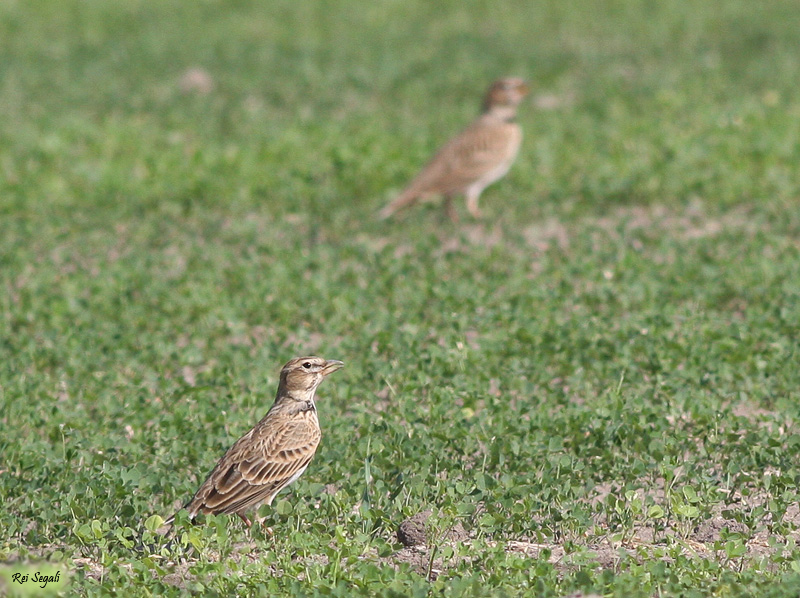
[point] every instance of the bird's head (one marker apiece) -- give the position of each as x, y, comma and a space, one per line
301, 376
505, 93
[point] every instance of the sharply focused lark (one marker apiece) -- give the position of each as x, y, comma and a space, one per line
474, 159
274, 453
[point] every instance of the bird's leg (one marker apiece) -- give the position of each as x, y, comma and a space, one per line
264, 527
249, 523
267, 530
246, 519
450, 209
472, 203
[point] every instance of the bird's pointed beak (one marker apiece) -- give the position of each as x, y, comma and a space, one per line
331, 366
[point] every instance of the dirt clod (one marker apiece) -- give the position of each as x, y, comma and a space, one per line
412, 532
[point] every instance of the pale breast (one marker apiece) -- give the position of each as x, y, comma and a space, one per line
513, 134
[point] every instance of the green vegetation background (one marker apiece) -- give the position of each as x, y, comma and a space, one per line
613, 350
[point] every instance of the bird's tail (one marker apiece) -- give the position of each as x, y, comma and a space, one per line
167, 527
169, 524
407, 198
165, 531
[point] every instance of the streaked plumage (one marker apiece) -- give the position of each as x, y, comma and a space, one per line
473, 160
274, 453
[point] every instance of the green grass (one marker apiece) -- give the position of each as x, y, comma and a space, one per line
598, 383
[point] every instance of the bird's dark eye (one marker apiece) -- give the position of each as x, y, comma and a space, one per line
307, 364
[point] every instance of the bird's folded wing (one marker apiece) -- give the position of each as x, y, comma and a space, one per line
285, 452
467, 158
258, 468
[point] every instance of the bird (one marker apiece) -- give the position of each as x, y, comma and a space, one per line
274, 453
474, 159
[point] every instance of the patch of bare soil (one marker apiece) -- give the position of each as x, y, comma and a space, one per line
608, 545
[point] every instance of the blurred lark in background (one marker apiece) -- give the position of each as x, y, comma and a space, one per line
474, 159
